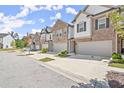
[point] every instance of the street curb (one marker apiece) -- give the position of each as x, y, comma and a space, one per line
70, 75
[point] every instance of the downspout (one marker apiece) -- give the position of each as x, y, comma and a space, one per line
67, 38
116, 42
91, 25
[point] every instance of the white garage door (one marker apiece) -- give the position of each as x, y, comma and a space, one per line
97, 48
59, 47
44, 45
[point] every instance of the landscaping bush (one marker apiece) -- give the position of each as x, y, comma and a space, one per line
63, 53
44, 50
116, 56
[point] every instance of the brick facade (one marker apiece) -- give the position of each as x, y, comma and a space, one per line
59, 25
103, 34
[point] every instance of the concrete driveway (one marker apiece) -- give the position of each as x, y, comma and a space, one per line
20, 71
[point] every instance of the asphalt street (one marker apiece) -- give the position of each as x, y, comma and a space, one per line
18, 71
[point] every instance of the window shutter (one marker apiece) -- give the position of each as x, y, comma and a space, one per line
107, 22
77, 27
96, 24
84, 26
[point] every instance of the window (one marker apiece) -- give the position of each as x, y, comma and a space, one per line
0, 40
81, 27
65, 31
60, 34
101, 23
6, 46
50, 37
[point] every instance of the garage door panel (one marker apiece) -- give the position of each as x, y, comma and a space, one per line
59, 47
98, 48
44, 45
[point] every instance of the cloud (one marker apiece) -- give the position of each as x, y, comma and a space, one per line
35, 30
27, 9
1, 15
57, 16
53, 7
57, 7
13, 24
9, 23
41, 20
52, 23
32, 8
71, 10
24, 12
48, 7
5, 30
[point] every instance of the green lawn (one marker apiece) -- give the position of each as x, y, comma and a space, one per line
116, 65
46, 59
7, 49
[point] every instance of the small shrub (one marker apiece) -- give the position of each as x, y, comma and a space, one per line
116, 56
44, 50
63, 53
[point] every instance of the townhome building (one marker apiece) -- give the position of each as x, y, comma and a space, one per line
6, 40
46, 38
93, 32
60, 38
34, 41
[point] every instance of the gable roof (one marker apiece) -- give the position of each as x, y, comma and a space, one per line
81, 11
3, 35
63, 22
88, 14
60, 22
107, 6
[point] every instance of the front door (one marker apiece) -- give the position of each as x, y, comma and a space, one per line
71, 46
34, 46
50, 45
122, 46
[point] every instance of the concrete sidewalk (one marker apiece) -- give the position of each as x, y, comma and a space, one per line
88, 69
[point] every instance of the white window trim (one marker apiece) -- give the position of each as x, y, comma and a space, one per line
83, 26
99, 23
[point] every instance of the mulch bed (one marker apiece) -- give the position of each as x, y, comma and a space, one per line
115, 79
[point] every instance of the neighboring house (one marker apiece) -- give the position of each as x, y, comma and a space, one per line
60, 37
35, 41
46, 38
6, 40
93, 32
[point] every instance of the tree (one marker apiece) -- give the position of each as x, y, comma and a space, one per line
26, 41
117, 20
13, 44
20, 43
